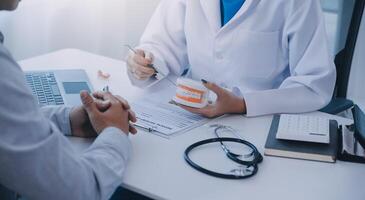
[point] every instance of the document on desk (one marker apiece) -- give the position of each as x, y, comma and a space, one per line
165, 119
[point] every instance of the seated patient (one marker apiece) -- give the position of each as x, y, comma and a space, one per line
37, 160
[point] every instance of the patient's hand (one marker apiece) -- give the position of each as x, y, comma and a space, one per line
115, 116
81, 125
80, 122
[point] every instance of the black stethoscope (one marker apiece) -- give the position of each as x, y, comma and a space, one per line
248, 168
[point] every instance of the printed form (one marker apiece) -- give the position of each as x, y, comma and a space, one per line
156, 115
165, 119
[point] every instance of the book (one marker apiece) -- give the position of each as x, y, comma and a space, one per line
299, 149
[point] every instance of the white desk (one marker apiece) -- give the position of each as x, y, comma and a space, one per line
157, 168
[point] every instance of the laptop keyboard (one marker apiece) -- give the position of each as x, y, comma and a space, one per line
44, 88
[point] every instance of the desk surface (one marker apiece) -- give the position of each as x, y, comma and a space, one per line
157, 168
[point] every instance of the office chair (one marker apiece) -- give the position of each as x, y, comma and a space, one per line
343, 62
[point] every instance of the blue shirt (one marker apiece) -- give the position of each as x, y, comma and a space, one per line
229, 8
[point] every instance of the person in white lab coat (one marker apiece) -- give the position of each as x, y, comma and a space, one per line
272, 53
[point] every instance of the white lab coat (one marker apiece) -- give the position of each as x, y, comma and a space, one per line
274, 51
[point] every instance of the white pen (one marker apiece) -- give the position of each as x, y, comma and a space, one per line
148, 129
106, 89
151, 66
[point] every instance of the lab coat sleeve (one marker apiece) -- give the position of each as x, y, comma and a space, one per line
38, 162
312, 71
60, 116
165, 38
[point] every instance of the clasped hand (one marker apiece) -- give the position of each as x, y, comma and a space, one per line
106, 110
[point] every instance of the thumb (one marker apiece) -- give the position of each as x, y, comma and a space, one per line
140, 52
88, 102
102, 105
149, 56
213, 87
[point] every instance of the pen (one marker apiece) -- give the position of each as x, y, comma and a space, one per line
106, 89
130, 48
150, 130
151, 66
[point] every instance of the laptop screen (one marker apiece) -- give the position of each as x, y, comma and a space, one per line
75, 87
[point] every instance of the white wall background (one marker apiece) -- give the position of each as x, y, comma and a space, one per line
99, 26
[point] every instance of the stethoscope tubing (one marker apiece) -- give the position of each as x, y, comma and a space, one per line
257, 158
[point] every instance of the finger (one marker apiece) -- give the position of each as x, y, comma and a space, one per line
132, 116
144, 69
148, 73
106, 96
149, 56
132, 129
140, 52
102, 105
88, 102
141, 71
124, 102
141, 60
130, 63
214, 87
98, 95
140, 63
141, 78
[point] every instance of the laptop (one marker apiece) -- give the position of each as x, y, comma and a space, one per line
58, 87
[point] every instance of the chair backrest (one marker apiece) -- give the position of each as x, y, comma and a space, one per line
344, 58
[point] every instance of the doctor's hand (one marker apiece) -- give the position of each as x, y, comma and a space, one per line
139, 64
112, 114
227, 103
